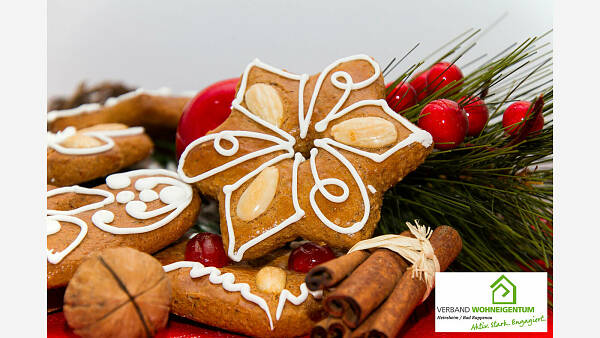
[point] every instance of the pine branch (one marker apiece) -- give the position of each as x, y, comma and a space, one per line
496, 193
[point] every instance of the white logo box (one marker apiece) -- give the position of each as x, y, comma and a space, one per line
491, 302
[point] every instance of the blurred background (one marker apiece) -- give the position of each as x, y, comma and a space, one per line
189, 44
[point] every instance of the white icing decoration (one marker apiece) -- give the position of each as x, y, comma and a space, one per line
227, 280
92, 107
108, 199
55, 140
84, 108
148, 195
103, 216
118, 181
118, 132
60, 136
285, 142
162, 91
371, 189
169, 195
52, 227
320, 185
125, 196
178, 197
286, 295
348, 86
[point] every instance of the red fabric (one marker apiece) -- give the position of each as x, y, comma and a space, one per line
182, 328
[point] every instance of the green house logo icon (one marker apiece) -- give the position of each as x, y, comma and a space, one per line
503, 291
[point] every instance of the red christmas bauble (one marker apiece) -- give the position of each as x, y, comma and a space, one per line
441, 75
446, 121
309, 255
207, 249
515, 115
477, 114
419, 84
401, 97
206, 111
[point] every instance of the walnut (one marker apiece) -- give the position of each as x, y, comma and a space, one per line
121, 292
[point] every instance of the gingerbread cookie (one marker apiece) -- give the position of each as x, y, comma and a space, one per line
98, 93
259, 298
152, 109
79, 156
304, 156
142, 209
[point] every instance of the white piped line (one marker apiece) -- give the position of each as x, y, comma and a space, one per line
55, 140
93, 107
227, 280
177, 196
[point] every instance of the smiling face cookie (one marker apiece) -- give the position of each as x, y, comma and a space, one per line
304, 156
142, 209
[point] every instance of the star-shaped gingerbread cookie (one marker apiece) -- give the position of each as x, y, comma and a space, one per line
304, 156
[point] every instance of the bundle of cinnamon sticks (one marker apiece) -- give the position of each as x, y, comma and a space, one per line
373, 293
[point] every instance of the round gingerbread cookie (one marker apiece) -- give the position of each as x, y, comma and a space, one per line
145, 209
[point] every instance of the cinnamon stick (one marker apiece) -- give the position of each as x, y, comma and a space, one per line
332, 272
367, 287
389, 318
338, 329
320, 329
331, 327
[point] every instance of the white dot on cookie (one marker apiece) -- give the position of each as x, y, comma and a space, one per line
117, 181
172, 195
148, 195
125, 196
52, 226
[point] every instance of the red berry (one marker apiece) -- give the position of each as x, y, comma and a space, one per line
419, 84
441, 75
309, 255
206, 111
207, 249
477, 114
402, 97
445, 121
515, 115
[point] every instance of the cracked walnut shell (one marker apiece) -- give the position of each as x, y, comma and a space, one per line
121, 292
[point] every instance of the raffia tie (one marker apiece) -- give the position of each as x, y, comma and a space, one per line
417, 251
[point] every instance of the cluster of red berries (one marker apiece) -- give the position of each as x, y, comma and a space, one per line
441, 76
207, 249
450, 122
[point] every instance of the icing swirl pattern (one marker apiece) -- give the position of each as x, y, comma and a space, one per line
176, 196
